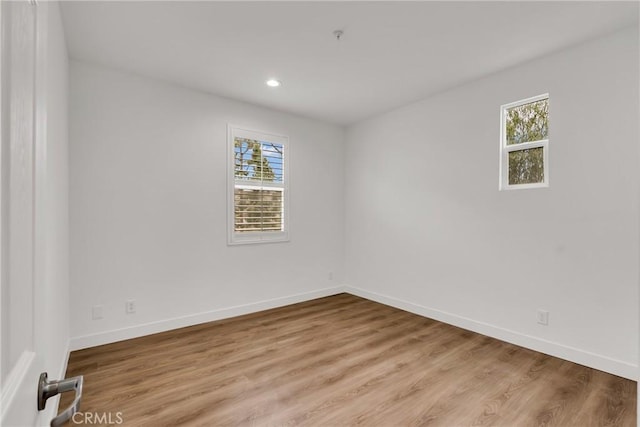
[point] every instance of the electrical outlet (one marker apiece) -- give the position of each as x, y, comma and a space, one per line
96, 312
331, 275
543, 317
131, 306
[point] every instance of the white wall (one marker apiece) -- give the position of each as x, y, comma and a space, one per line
148, 208
428, 230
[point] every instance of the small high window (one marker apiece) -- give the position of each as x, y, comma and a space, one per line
524, 144
258, 189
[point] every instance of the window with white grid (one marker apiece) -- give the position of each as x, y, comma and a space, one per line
524, 143
258, 190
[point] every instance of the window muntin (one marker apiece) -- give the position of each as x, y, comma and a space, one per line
258, 193
524, 144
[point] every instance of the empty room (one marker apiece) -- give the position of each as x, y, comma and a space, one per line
319, 213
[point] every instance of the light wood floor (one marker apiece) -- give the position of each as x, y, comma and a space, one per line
342, 360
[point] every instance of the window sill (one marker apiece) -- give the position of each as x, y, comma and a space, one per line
258, 238
524, 186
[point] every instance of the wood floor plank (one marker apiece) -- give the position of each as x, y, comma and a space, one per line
342, 360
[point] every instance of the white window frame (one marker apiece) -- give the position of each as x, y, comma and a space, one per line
235, 238
506, 149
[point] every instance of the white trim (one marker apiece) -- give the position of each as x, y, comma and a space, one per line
259, 186
53, 404
3, 194
503, 174
108, 337
62, 373
526, 145
576, 355
234, 238
525, 101
14, 381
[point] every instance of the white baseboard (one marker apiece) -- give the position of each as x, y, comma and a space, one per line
136, 331
592, 360
586, 358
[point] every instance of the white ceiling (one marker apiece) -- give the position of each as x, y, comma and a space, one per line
391, 53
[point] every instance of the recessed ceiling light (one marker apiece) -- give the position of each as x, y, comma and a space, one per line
273, 83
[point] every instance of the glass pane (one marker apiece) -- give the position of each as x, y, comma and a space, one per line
258, 160
243, 156
272, 161
526, 166
528, 122
258, 210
